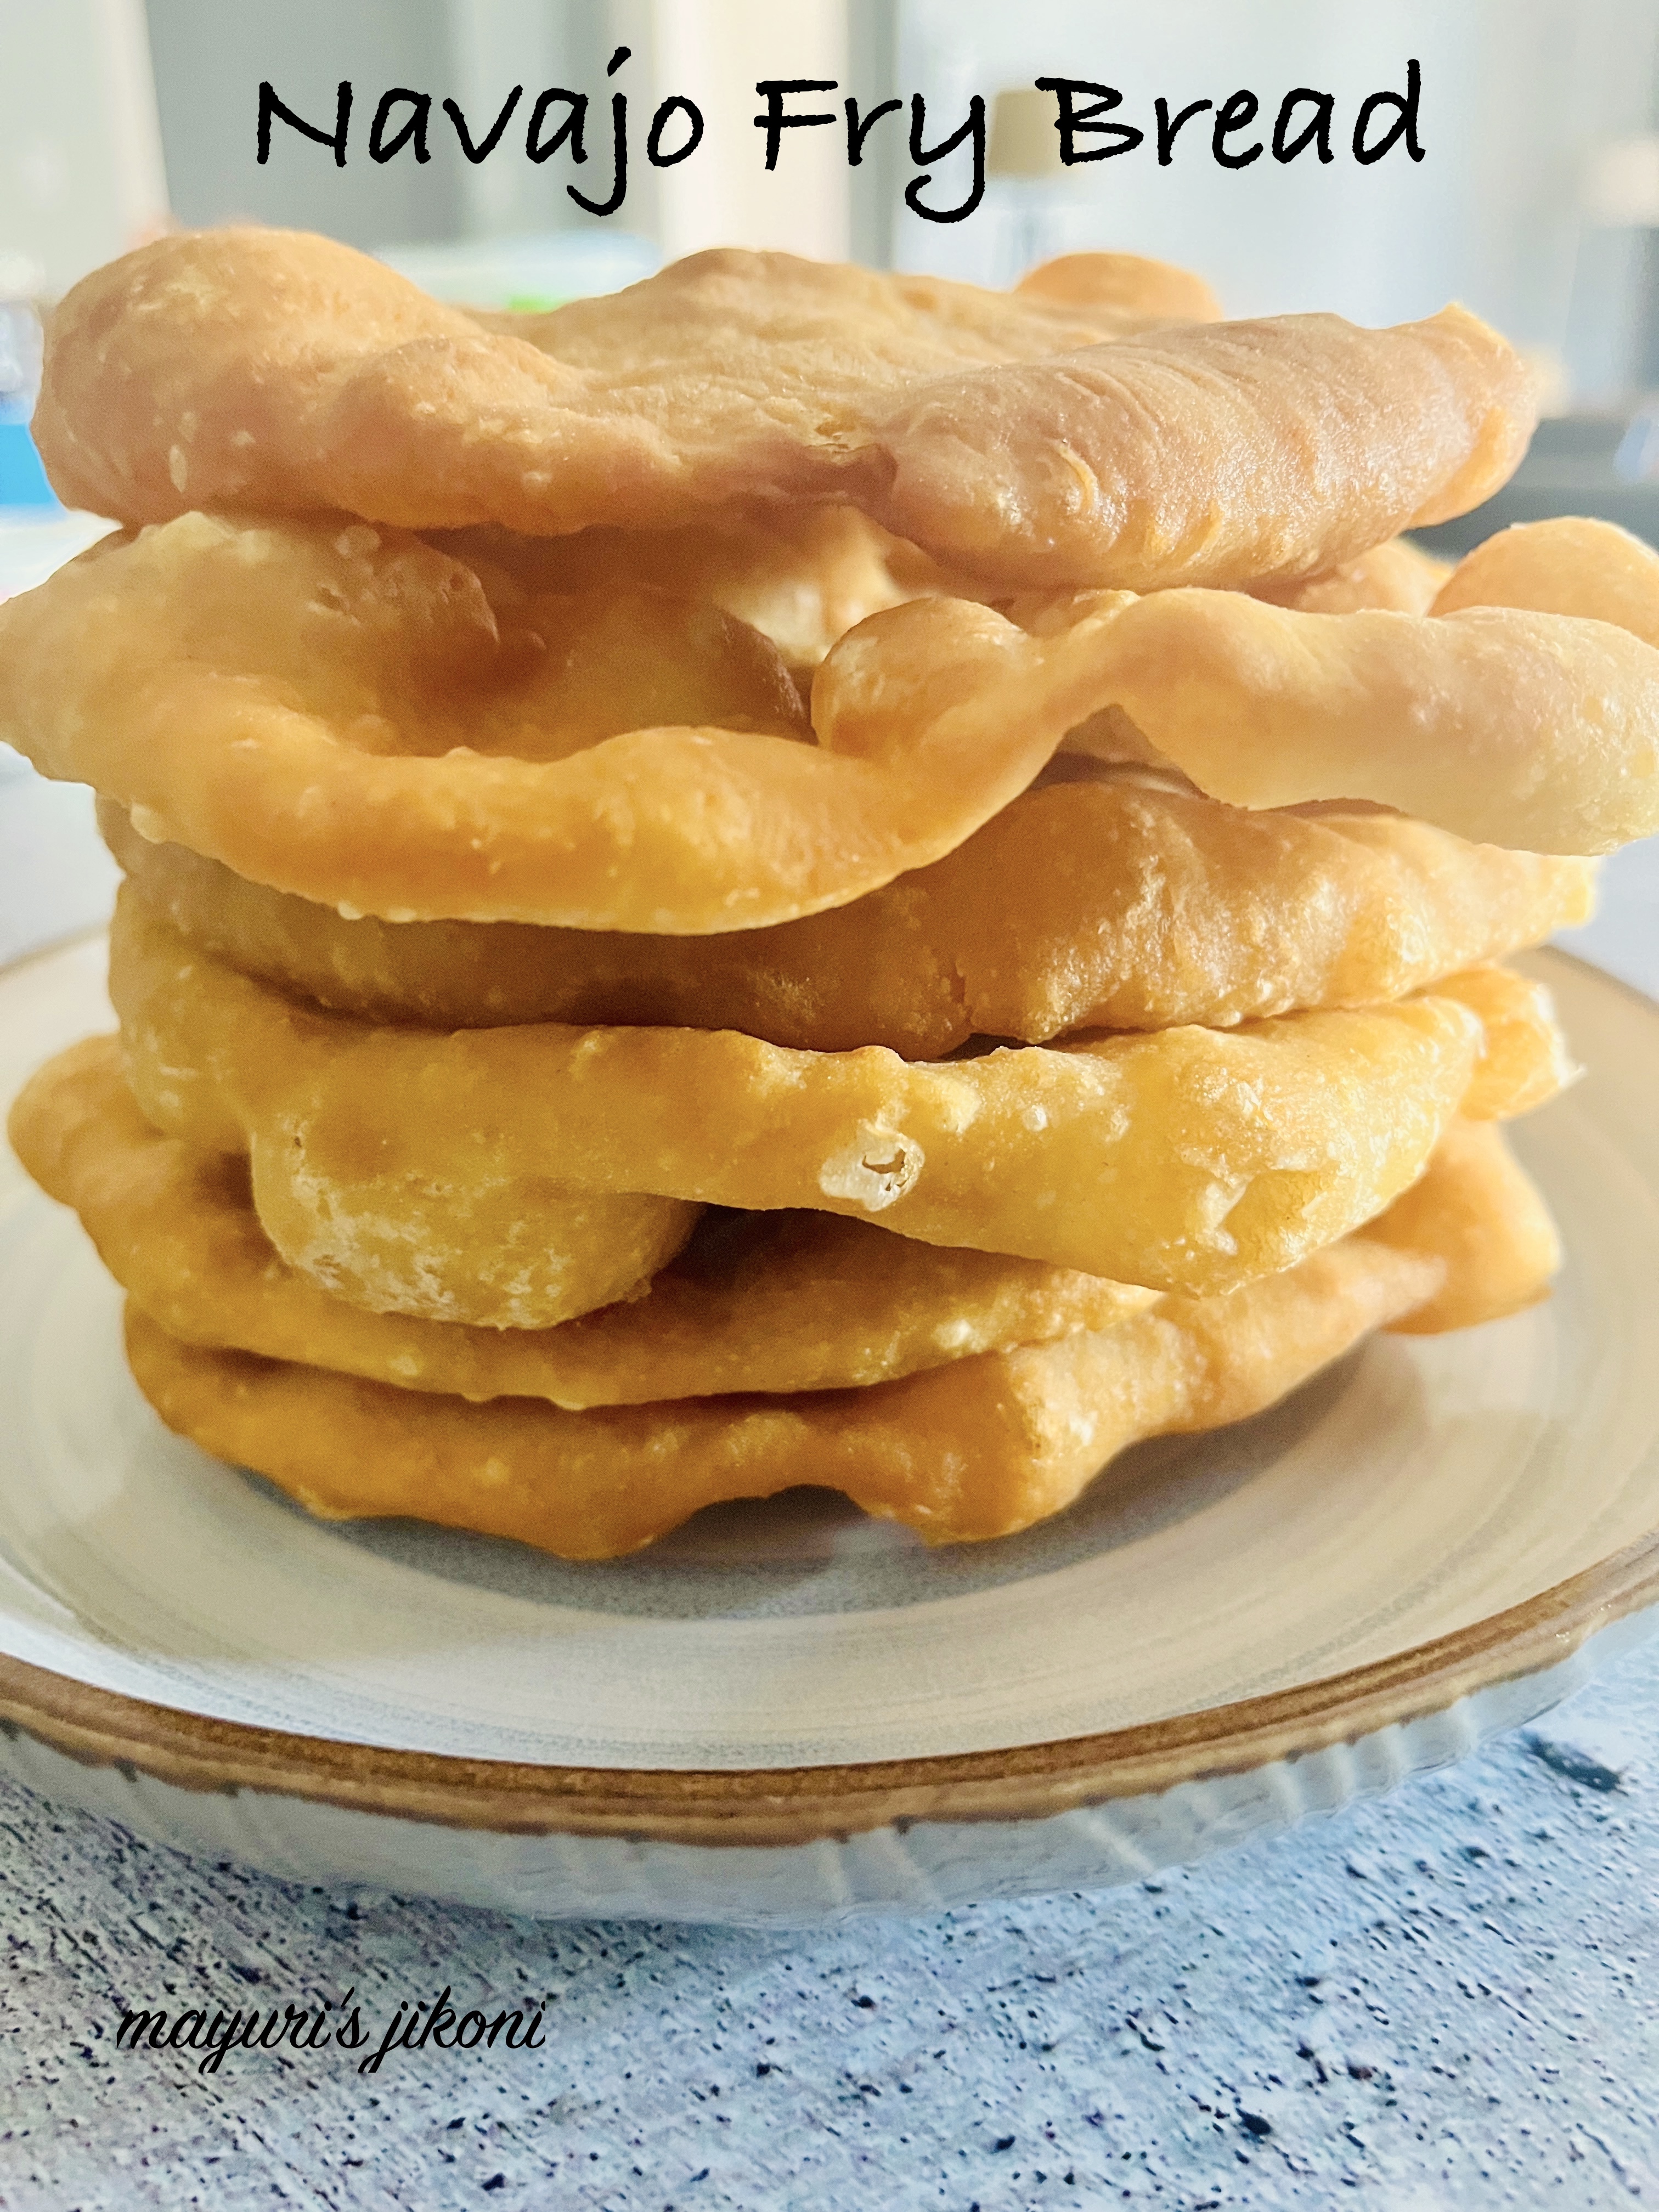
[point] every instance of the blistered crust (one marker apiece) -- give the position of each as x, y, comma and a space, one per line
1138, 908
1044, 437
351, 716
1188, 1159
769, 1303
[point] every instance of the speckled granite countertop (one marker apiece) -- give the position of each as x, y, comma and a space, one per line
1446, 1999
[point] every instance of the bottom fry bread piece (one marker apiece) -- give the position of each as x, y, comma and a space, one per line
980, 1449
1478, 1210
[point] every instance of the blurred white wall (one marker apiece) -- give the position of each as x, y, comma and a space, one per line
81, 170
714, 52
209, 56
1516, 94
495, 45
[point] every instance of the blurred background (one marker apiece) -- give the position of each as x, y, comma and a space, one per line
1537, 203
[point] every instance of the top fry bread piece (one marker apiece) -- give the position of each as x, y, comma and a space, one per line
1057, 436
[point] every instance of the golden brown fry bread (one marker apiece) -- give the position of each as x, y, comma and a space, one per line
757, 1302
1477, 1211
1220, 453
765, 1303
1525, 1061
639, 408
1534, 730
1024, 438
522, 1250
979, 1449
801, 577
1191, 1159
1570, 565
1132, 907
343, 713
1398, 575
293, 702
1149, 291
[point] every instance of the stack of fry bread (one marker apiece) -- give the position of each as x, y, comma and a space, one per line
798, 876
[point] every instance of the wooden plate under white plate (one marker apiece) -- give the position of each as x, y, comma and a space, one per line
786, 1713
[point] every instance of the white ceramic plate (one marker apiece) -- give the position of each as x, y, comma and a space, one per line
785, 1710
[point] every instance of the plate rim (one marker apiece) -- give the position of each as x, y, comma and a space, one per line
795, 1806
772, 1806
782, 1806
